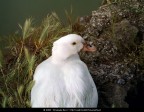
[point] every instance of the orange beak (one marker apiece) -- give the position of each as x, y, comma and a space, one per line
88, 47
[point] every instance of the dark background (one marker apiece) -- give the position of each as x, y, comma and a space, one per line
14, 12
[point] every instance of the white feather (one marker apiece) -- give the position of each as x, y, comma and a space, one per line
63, 80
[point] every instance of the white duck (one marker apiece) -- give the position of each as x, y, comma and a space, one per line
63, 80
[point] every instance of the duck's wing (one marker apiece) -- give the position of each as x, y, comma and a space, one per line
80, 85
46, 91
91, 98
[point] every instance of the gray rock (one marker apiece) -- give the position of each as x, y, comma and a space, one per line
113, 29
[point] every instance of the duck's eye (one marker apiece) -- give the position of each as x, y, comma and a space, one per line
74, 43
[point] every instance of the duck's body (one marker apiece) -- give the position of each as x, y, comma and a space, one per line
63, 83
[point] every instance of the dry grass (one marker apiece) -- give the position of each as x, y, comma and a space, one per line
24, 53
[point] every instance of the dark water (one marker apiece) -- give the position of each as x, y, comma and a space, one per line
13, 12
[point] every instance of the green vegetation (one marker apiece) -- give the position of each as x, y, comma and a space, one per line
21, 56
23, 52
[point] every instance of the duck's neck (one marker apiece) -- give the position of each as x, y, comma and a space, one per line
73, 57
61, 60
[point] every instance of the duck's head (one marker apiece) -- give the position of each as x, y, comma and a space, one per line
69, 45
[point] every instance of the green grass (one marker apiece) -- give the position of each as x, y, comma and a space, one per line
21, 56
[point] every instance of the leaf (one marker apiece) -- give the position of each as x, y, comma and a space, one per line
30, 59
50, 24
43, 34
20, 90
113, 106
1, 59
4, 101
27, 29
10, 101
20, 26
27, 54
30, 85
28, 103
2, 93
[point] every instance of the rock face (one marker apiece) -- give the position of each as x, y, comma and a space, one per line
117, 30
